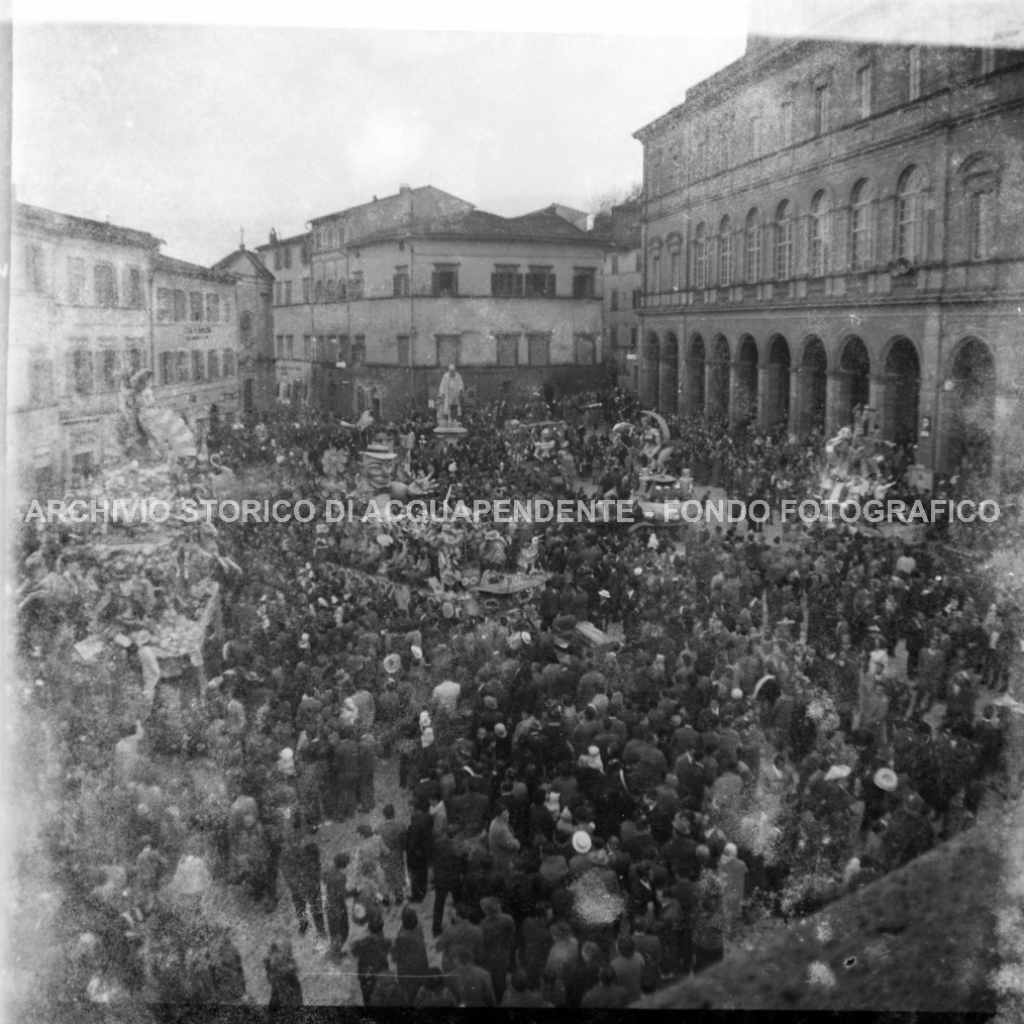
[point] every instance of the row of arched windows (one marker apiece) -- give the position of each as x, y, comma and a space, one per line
727, 253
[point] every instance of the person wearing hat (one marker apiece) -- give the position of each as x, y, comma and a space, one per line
344, 774
446, 695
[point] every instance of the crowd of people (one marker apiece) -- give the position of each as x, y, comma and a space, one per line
766, 721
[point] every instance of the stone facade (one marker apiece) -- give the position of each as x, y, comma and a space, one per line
830, 225
404, 285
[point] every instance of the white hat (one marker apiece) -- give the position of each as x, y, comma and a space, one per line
737, 693
428, 737
527, 639
424, 719
837, 771
286, 761
603, 593
886, 778
417, 652
581, 842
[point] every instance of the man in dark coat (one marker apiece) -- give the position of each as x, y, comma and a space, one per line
449, 870
345, 774
419, 849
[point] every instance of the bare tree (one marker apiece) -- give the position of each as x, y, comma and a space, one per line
603, 202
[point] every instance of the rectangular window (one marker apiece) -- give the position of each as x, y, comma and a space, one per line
583, 282
287, 293
279, 346
277, 258
212, 307
304, 252
109, 369
166, 367
539, 283
654, 281
278, 292
400, 282
287, 257
634, 334
213, 364
506, 281
195, 300
449, 349
403, 350
615, 264
359, 350
78, 366
614, 299
636, 298
784, 250
539, 349
786, 124
864, 90
725, 258
179, 305
444, 281
198, 364
76, 281
133, 288
307, 347
305, 289
183, 366
507, 346
980, 216
821, 110
586, 349
105, 279
289, 345
355, 286
675, 269
229, 363
914, 73
613, 337
35, 269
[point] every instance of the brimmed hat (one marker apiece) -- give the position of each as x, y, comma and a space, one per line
837, 771
417, 652
392, 663
736, 694
581, 842
553, 800
886, 778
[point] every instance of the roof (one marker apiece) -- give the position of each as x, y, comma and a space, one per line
293, 240
543, 225
169, 265
26, 216
422, 190
249, 256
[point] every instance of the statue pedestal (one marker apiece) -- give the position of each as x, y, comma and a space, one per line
450, 433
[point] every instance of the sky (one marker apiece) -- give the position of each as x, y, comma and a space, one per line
197, 130
193, 132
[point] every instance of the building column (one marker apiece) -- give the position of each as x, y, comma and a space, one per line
767, 377
709, 379
880, 386
837, 401
734, 390
796, 413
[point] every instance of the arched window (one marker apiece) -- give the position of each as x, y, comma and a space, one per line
319, 295
725, 252
675, 262
701, 257
329, 290
752, 270
981, 185
910, 215
820, 247
861, 238
784, 241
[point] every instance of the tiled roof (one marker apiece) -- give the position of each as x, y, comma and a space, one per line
169, 265
27, 216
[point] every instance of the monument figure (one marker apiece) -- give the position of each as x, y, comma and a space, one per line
450, 396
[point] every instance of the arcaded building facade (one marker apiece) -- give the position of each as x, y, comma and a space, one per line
829, 225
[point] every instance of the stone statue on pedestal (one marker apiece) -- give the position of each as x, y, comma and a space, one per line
450, 396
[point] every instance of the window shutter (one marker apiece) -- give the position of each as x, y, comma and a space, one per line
494, 285
434, 286
396, 285
551, 286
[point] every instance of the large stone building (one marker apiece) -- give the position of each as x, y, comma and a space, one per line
830, 225
378, 299
91, 302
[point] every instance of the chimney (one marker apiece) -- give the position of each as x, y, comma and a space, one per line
403, 189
